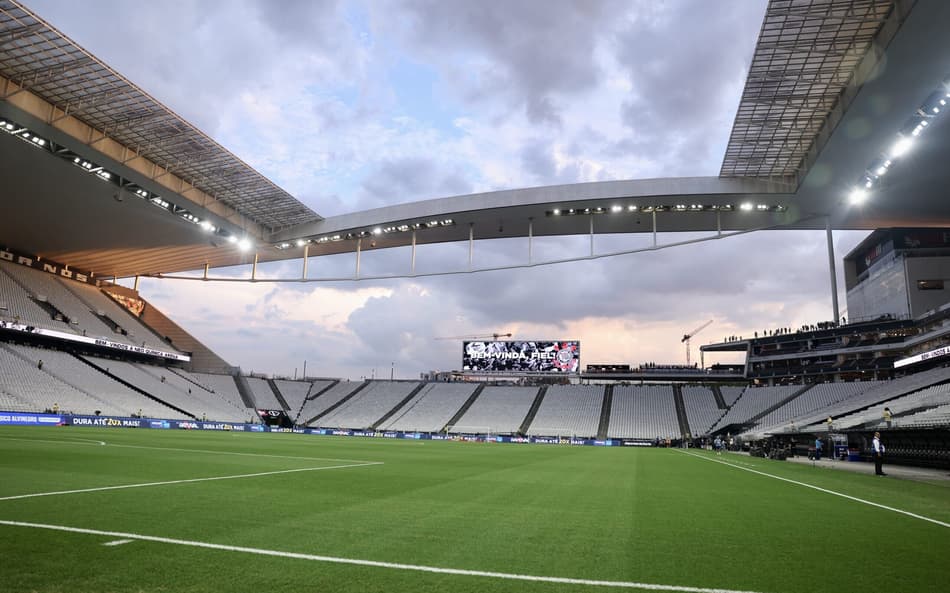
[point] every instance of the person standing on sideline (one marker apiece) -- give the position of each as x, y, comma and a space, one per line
818, 449
887, 416
877, 450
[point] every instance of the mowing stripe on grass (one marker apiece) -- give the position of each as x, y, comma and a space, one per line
825, 490
190, 480
376, 563
92, 441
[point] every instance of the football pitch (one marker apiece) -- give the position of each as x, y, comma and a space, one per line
125, 510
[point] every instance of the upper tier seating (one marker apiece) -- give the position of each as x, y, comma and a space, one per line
498, 410
702, 411
431, 408
369, 405
569, 410
643, 412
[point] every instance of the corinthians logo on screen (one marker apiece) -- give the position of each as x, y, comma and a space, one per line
516, 356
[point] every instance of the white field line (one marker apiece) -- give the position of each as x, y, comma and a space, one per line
119, 542
188, 481
378, 564
212, 451
825, 490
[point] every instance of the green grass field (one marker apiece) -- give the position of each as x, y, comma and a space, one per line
632, 519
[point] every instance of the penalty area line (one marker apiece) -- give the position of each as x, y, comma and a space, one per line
188, 481
376, 563
825, 490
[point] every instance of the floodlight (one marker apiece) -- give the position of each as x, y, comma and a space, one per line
857, 196
901, 147
244, 244
746, 206
616, 208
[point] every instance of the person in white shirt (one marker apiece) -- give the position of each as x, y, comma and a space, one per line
877, 450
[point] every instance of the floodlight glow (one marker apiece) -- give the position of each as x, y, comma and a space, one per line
206, 225
762, 207
901, 147
880, 170
244, 244
616, 208
557, 211
632, 208
301, 242
745, 206
232, 239
857, 196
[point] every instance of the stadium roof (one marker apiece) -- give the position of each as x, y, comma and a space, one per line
805, 59
38, 58
832, 86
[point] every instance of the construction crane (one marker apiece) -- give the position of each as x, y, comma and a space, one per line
478, 337
686, 337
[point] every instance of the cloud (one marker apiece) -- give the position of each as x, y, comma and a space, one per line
358, 105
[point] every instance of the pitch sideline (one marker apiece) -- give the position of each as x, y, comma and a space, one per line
377, 563
186, 481
820, 489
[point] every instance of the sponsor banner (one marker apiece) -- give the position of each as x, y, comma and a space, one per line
31, 419
220, 426
102, 342
938, 353
28, 419
107, 421
515, 356
45, 265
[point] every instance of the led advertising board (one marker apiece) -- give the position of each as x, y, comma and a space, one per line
515, 357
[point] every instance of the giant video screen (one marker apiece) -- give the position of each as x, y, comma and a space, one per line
515, 357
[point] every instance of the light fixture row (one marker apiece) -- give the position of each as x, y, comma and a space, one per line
917, 124
365, 233
27, 135
635, 208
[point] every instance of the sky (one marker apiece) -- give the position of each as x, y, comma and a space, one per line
350, 105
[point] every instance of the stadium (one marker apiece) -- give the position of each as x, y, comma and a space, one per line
136, 458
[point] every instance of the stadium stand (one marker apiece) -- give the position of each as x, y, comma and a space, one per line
730, 393
932, 418
498, 410
296, 392
222, 387
116, 398
928, 397
263, 395
138, 332
818, 397
643, 412
875, 396
20, 307
369, 405
569, 410
156, 383
702, 411
753, 402
430, 408
78, 317
38, 388
319, 403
